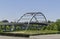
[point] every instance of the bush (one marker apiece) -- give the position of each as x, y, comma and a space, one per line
52, 26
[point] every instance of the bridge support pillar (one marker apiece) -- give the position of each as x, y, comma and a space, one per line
14, 27
5, 28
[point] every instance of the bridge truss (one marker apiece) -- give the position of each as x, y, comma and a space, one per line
37, 18
27, 21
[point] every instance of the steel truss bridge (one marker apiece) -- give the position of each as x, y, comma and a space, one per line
34, 19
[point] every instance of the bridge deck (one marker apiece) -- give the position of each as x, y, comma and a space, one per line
23, 23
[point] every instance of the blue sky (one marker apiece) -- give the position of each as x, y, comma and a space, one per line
12, 10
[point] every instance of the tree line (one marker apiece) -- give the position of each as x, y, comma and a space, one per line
52, 25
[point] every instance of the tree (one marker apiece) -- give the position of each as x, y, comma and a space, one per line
5, 21
50, 21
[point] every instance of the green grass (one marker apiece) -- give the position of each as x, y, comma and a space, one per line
32, 32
